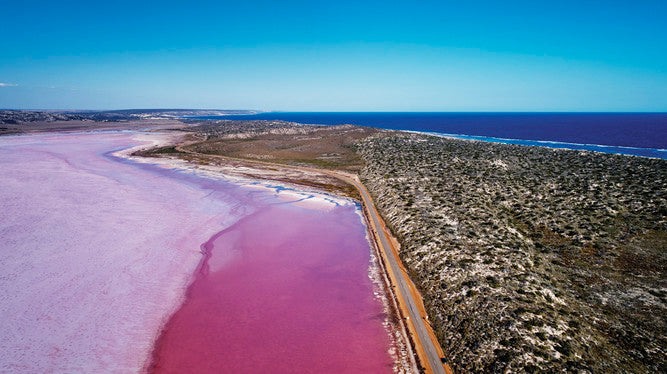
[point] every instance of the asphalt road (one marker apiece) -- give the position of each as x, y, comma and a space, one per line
416, 319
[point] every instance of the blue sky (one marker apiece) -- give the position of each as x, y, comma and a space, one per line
335, 55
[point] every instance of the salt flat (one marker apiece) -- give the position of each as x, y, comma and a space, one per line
95, 255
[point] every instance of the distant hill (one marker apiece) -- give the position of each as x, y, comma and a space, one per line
20, 116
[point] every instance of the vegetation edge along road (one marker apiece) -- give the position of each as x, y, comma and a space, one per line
409, 299
411, 307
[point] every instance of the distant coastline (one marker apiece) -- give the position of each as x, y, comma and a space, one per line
632, 151
638, 134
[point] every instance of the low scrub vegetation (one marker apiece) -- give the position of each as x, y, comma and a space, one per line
530, 258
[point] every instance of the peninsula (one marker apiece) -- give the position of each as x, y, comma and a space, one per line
527, 258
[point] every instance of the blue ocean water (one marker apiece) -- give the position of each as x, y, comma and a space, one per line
640, 134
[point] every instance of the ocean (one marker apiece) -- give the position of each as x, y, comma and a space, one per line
639, 134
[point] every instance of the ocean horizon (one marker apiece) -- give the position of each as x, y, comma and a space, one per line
639, 134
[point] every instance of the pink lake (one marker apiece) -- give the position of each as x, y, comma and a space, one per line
113, 265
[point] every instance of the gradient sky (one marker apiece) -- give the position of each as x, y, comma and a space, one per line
335, 55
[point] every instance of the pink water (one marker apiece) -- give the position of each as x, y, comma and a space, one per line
284, 290
101, 258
